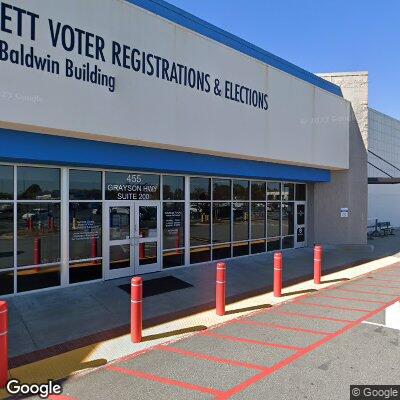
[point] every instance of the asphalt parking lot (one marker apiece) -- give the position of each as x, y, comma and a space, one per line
312, 347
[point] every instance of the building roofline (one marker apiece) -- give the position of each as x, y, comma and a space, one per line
189, 21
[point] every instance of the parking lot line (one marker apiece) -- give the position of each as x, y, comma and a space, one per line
296, 314
280, 327
250, 341
367, 292
330, 306
351, 299
165, 381
217, 360
251, 381
378, 286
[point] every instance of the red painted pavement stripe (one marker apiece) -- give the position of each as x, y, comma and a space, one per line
244, 385
250, 341
378, 286
165, 381
367, 292
280, 327
217, 360
351, 299
295, 314
332, 307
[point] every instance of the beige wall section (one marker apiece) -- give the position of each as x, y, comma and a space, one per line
347, 189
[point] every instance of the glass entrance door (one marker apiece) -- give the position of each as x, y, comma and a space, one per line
300, 233
132, 239
147, 237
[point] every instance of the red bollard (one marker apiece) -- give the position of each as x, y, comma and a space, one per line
37, 252
278, 274
136, 309
220, 289
51, 223
177, 241
317, 263
94, 248
3, 344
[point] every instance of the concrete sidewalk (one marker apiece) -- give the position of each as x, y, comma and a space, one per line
50, 319
269, 351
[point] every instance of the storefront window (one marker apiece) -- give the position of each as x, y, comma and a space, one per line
287, 219
273, 219
200, 255
173, 188
274, 191
6, 282
258, 246
122, 186
38, 183
258, 215
274, 244
288, 242
85, 185
85, 223
200, 189
6, 182
240, 190
301, 192
258, 190
38, 278
173, 225
6, 236
240, 249
287, 191
222, 189
38, 230
221, 222
240, 221
200, 224
221, 251
173, 258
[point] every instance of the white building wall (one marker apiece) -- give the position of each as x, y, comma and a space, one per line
384, 141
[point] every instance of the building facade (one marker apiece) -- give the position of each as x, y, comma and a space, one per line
135, 137
384, 168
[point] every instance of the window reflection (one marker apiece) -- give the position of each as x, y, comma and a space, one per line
301, 192
173, 225
200, 224
287, 219
273, 191
6, 182
173, 188
38, 278
38, 231
273, 219
6, 235
221, 222
85, 185
6, 282
200, 188
258, 190
258, 220
287, 191
85, 223
240, 221
240, 190
222, 189
38, 183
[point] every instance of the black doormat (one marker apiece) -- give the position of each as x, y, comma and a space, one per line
166, 284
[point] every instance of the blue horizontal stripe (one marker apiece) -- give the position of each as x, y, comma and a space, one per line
189, 21
25, 147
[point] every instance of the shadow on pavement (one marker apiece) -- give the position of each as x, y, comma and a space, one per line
299, 292
174, 333
245, 309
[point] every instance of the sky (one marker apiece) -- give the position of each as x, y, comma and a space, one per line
320, 36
